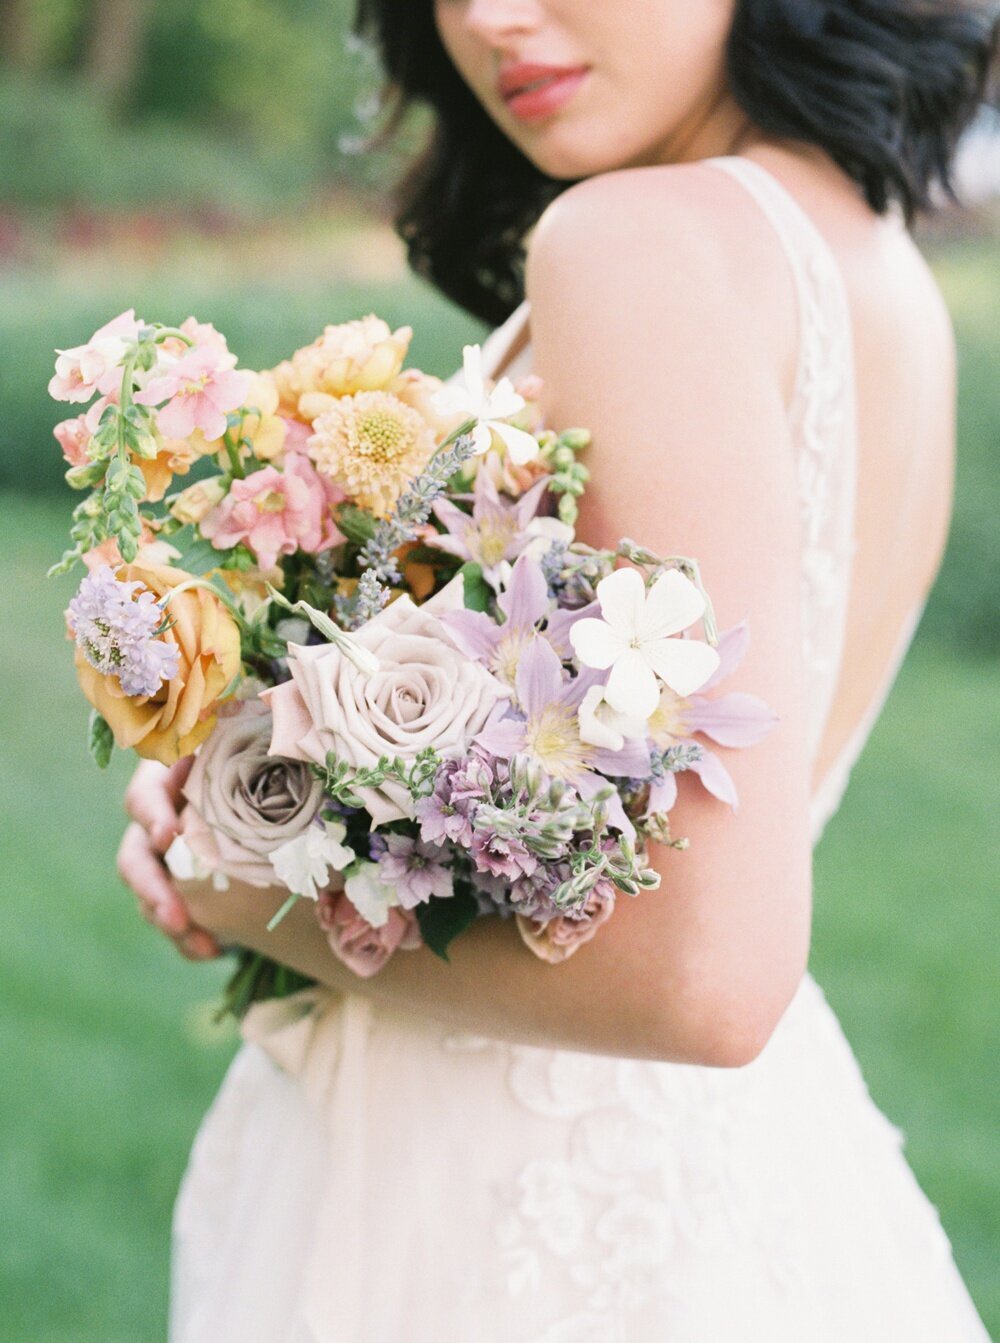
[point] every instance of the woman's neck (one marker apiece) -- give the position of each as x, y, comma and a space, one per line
718, 128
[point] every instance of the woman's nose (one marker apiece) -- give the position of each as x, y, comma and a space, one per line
494, 20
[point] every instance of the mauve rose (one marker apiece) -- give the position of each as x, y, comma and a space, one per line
426, 693
242, 802
354, 941
556, 940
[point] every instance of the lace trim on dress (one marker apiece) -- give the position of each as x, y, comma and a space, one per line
823, 425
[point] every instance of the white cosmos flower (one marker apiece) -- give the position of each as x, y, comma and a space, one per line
633, 639
304, 863
370, 897
491, 410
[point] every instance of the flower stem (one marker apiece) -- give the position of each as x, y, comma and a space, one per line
166, 332
125, 403
232, 452
456, 434
228, 602
285, 909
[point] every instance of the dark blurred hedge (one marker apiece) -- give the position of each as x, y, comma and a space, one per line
264, 322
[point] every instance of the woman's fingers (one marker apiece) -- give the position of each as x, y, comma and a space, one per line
141, 868
197, 945
154, 799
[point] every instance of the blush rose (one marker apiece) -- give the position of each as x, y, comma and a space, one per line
425, 693
243, 803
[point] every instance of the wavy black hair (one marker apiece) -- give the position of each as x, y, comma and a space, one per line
885, 87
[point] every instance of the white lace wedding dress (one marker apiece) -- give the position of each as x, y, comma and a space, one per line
367, 1176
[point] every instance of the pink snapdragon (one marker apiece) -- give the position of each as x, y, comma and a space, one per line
74, 436
200, 389
277, 512
94, 367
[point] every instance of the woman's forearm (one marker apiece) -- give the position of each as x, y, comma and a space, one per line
599, 1001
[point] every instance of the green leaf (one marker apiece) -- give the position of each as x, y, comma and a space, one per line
477, 591
100, 740
357, 524
198, 556
441, 920
430, 555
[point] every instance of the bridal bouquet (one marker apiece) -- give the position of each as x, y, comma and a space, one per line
355, 592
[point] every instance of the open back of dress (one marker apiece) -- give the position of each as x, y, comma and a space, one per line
366, 1176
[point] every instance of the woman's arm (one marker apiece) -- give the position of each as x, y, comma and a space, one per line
644, 332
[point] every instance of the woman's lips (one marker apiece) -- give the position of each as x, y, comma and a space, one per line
545, 95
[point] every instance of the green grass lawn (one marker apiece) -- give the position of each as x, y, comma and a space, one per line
110, 1055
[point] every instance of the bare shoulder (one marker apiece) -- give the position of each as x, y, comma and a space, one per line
678, 247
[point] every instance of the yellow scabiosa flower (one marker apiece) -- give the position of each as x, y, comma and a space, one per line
372, 445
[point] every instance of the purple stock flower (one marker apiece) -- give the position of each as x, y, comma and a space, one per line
500, 854
733, 720
546, 728
496, 531
414, 868
459, 788
117, 632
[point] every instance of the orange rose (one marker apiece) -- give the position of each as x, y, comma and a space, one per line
175, 720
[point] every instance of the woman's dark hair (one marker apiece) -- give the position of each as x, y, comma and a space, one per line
885, 87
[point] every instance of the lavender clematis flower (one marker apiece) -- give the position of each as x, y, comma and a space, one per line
496, 531
525, 603
117, 632
547, 729
734, 720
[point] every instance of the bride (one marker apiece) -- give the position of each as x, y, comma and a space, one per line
667, 1138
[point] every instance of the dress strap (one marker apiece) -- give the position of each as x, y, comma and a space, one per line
500, 344
823, 423
818, 280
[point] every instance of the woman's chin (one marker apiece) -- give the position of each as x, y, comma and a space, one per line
569, 152
567, 162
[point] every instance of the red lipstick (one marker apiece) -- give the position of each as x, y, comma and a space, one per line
533, 91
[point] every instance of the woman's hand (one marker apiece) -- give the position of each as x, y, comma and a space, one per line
153, 800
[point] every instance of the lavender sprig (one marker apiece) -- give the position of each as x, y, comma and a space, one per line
675, 759
412, 510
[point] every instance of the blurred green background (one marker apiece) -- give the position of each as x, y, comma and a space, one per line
193, 158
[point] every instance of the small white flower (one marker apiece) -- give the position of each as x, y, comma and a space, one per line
633, 639
304, 863
601, 725
490, 409
542, 534
370, 897
184, 864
